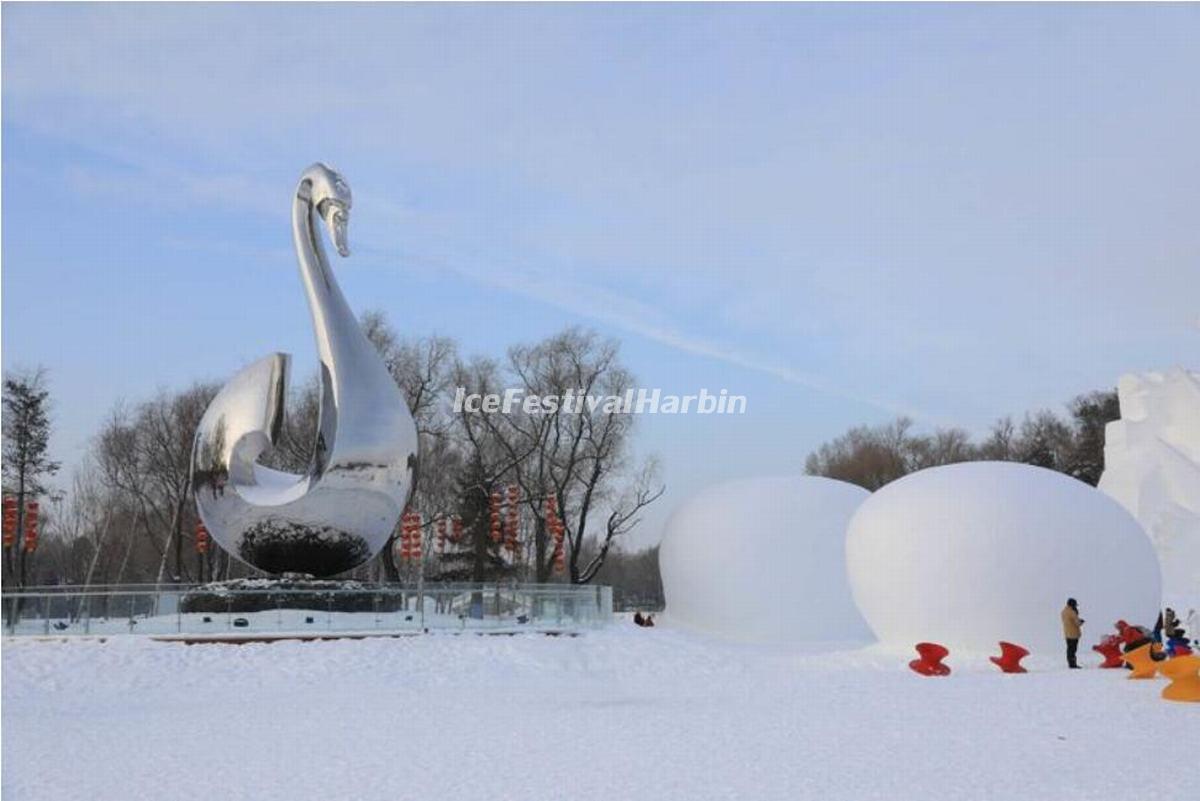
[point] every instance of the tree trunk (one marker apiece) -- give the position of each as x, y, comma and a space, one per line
179, 572
20, 543
166, 551
87, 579
542, 565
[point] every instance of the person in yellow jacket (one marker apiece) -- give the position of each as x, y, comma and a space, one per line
1072, 625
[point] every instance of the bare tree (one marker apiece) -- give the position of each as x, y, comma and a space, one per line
144, 456
577, 454
486, 460
868, 457
1000, 445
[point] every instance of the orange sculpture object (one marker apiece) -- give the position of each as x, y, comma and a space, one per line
1184, 673
1143, 664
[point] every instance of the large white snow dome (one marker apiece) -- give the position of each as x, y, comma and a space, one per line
763, 560
970, 554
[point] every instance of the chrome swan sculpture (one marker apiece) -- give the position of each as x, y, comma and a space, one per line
342, 510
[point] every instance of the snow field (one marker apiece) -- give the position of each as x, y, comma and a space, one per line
623, 713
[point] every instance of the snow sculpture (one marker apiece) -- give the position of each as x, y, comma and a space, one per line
974, 553
763, 560
1152, 466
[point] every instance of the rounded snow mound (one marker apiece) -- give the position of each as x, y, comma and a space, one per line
970, 554
763, 560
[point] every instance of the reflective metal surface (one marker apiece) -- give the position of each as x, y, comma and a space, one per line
339, 512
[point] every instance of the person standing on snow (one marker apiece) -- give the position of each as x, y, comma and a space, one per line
1072, 625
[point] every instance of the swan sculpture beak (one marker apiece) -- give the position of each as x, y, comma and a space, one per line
337, 220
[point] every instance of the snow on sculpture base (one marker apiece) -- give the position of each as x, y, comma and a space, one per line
763, 560
1152, 466
970, 554
288, 592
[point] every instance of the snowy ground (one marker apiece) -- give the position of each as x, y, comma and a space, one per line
621, 713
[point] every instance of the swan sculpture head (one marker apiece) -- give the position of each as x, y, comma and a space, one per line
329, 195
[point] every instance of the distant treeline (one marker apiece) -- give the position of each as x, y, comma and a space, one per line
873, 456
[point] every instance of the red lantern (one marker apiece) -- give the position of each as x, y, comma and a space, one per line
405, 527
410, 535
10, 521
456, 529
556, 529
494, 510
201, 537
31, 526
441, 535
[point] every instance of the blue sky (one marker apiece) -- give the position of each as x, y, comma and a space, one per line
843, 213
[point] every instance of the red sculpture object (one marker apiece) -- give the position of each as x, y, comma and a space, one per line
930, 663
1110, 649
1010, 658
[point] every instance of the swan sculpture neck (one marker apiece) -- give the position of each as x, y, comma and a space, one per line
345, 506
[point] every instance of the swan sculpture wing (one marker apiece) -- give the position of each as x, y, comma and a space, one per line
340, 511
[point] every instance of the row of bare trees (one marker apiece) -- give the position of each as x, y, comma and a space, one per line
128, 515
872, 456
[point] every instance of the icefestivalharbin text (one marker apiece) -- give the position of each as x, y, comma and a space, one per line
640, 401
